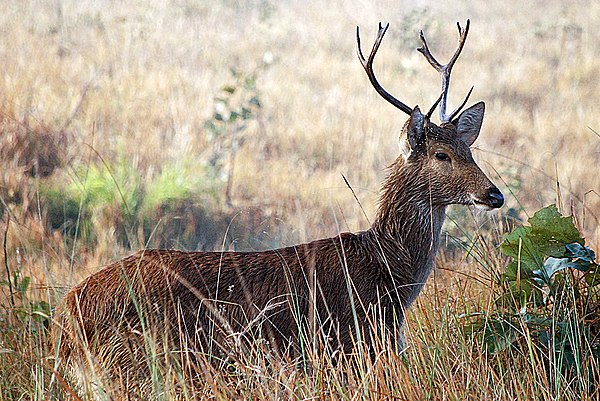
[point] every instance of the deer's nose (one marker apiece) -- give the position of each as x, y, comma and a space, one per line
495, 197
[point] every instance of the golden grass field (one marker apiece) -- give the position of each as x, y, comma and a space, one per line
127, 87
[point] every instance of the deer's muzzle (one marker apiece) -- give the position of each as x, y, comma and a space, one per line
494, 198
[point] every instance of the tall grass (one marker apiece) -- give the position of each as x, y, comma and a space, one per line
440, 361
117, 97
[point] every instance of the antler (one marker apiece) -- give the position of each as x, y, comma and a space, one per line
445, 70
368, 66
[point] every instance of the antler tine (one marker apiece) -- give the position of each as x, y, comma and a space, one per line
430, 112
459, 108
368, 66
445, 70
424, 50
462, 38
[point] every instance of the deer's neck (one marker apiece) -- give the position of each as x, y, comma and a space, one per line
407, 228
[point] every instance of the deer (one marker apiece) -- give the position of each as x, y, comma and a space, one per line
211, 301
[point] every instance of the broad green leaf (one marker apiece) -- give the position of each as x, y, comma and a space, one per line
511, 272
516, 297
547, 235
510, 245
246, 113
537, 321
578, 251
212, 128
527, 269
41, 311
551, 232
553, 265
254, 100
250, 82
474, 326
499, 335
527, 252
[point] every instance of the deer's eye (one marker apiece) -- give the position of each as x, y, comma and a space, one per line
442, 156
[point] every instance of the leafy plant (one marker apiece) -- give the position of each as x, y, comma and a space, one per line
34, 313
547, 295
540, 253
236, 105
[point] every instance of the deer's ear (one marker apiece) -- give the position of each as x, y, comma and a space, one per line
415, 132
468, 123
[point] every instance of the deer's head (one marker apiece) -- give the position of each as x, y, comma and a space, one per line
438, 157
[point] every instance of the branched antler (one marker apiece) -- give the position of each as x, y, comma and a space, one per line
445, 70
368, 66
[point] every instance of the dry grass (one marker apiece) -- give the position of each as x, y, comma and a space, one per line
104, 82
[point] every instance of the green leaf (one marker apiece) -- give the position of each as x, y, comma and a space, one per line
24, 284
516, 297
246, 113
537, 321
40, 311
511, 272
548, 235
250, 82
499, 335
512, 269
527, 253
551, 232
578, 251
554, 265
212, 128
472, 327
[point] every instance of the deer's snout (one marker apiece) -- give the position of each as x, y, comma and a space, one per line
495, 198
490, 199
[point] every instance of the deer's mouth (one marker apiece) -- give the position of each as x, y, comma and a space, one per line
482, 205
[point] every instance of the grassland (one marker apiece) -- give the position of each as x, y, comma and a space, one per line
106, 146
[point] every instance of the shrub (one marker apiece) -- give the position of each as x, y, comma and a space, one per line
547, 299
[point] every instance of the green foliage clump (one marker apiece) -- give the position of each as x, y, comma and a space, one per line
548, 297
33, 314
540, 253
161, 206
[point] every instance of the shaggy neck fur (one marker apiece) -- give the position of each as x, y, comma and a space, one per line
407, 229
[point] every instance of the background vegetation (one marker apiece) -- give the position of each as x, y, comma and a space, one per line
228, 125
